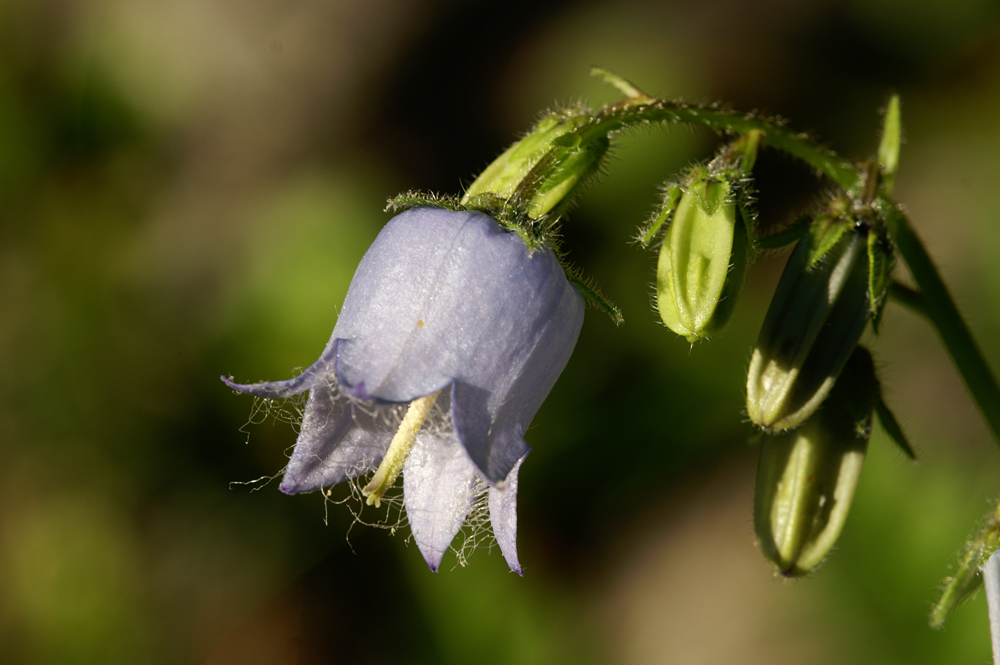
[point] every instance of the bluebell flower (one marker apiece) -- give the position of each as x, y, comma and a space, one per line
449, 314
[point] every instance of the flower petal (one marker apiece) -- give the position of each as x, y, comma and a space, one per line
444, 296
439, 484
338, 440
384, 313
301, 383
494, 455
503, 517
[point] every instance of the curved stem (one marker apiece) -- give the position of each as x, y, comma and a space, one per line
933, 299
640, 111
944, 315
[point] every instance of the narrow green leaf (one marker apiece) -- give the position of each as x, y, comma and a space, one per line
670, 198
826, 232
879, 273
786, 236
910, 298
888, 150
593, 295
626, 87
892, 428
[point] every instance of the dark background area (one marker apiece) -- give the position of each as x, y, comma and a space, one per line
185, 190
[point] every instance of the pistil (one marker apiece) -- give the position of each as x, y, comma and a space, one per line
402, 443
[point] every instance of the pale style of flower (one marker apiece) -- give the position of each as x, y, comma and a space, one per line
448, 312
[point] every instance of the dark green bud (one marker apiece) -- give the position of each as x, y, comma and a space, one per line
806, 477
817, 315
703, 257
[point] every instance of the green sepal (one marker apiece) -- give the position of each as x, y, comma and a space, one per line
744, 151
967, 578
593, 295
414, 199
749, 217
893, 429
880, 264
787, 236
825, 233
668, 204
534, 233
888, 149
630, 90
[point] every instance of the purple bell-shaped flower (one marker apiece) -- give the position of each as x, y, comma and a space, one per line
458, 318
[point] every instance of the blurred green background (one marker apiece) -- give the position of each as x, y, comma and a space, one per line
185, 189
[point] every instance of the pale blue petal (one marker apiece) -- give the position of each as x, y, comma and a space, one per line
503, 517
291, 387
991, 580
444, 296
338, 440
439, 485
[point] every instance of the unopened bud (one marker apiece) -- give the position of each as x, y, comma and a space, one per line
703, 258
806, 477
815, 320
546, 167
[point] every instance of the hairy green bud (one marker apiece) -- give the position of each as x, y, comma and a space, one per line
703, 257
967, 572
815, 319
806, 477
545, 168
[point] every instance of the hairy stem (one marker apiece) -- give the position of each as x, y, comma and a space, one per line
634, 112
933, 299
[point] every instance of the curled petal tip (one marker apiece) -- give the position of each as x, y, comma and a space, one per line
289, 486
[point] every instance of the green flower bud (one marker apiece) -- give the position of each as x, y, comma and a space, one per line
967, 572
816, 317
703, 257
806, 477
546, 167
